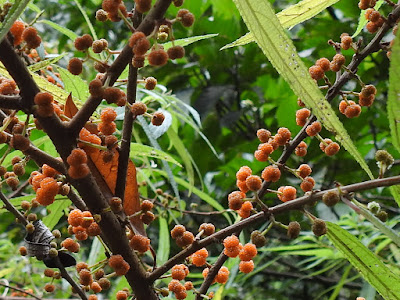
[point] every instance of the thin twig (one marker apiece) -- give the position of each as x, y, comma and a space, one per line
278, 209
13, 210
123, 158
19, 290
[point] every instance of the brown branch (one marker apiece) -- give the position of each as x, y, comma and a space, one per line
278, 209
211, 275
123, 158
40, 157
19, 190
13, 210
28, 89
11, 102
66, 276
114, 231
19, 290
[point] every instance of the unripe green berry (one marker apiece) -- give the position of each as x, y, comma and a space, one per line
258, 239
53, 252
25, 205
382, 215
331, 198
293, 230
319, 227
30, 228
374, 207
32, 217
384, 157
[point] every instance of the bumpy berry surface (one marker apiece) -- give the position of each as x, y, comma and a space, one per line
293, 229
157, 57
253, 182
246, 266
316, 72
140, 243
271, 173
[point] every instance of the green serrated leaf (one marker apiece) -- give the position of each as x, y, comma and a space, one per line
44, 63
290, 17
13, 14
59, 94
395, 191
393, 102
362, 21
147, 151
74, 84
163, 241
367, 263
280, 51
57, 211
69, 33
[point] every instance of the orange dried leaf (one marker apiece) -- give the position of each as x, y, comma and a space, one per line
108, 171
70, 109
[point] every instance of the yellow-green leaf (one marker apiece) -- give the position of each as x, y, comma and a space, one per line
395, 191
69, 33
184, 154
59, 94
163, 237
366, 262
363, 21
280, 51
44, 63
57, 211
74, 84
393, 102
290, 17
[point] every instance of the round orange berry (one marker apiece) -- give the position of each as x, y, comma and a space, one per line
246, 266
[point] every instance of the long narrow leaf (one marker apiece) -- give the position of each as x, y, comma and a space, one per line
393, 102
87, 19
184, 154
206, 198
163, 241
44, 63
69, 33
290, 17
147, 151
155, 144
395, 191
74, 84
280, 51
366, 262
